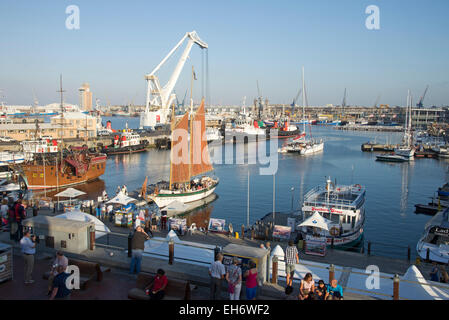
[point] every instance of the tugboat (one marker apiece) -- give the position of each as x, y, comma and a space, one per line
126, 142
286, 131
343, 209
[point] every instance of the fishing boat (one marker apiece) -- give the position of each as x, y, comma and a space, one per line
343, 209
11, 158
246, 128
286, 131
125, 143
188, 166
434, 244
30, 148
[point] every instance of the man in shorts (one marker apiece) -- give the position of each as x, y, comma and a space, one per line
291, 258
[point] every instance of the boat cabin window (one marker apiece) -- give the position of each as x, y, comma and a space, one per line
326, 215
335, 218
437, 239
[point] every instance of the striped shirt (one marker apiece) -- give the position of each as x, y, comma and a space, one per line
290, 254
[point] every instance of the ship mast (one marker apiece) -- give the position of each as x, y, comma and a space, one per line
61, 132
303, 103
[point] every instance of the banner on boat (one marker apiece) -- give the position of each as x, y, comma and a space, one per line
282, 232
217, 225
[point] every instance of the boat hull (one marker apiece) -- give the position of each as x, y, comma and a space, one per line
37, 179
125, 150
164, 199
315, 148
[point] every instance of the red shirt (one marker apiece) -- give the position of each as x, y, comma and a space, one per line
159, 282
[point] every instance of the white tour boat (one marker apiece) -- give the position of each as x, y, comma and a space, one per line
434, 244
342, 207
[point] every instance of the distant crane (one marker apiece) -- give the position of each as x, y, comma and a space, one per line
377, 101
421, 100
343, 104
259, 99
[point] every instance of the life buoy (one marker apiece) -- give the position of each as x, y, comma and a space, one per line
358, 186
334, 231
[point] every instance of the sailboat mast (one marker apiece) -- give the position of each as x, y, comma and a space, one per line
173, 122
303, 102
61, 131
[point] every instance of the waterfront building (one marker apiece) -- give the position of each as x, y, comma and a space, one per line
85, 97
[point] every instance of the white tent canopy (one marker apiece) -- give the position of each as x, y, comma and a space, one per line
76, 215
316, 221
70, 193
122, 199
421, 291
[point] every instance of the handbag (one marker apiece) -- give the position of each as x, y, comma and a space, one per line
231, 288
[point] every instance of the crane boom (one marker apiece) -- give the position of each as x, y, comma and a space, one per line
162, 97
421, 100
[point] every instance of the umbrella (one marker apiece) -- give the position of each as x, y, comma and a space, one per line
122, 199
70, 193
316, 221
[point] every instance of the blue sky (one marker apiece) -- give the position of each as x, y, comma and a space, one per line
266, 41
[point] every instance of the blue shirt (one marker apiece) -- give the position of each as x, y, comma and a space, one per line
27, 246
338, 288
60, 283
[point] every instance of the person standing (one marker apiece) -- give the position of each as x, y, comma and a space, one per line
217, 273
251, 281
28, 245
60, 290
234, 278
4, 211
35, 209
20, 215
138, 245
292, 257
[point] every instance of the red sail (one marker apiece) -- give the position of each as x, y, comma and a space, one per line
179, 162
199, 152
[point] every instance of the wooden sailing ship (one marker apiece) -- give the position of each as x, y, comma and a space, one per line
188, 166
65, 168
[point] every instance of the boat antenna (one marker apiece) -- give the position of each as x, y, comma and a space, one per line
61, 91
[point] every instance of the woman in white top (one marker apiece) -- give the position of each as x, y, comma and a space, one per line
307, 287
4, 212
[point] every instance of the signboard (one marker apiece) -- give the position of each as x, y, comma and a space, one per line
439, 231
177, 224
217, 224
243, 263
315, 247
282, 232
158, 118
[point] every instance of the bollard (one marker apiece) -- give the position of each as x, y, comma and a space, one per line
396, 287
171, 251
274, 271
243, 232
266, 233
92, 238
332, 243
409, 253
428, 255
369, 248
236, 235
130, 244
252, 234
331, 273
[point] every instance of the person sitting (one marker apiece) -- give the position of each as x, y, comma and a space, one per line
307, 287
156, 289
60, 290
320, 291
60, 260
334, 291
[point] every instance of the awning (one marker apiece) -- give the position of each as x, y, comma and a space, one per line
122, 199
316, 221
70, 193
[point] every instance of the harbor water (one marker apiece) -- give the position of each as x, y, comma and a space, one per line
392, 188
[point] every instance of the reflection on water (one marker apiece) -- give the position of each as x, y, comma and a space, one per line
93, 190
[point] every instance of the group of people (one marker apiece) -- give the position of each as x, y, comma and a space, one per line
12, 215
307, 289
104, 212
234, 277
